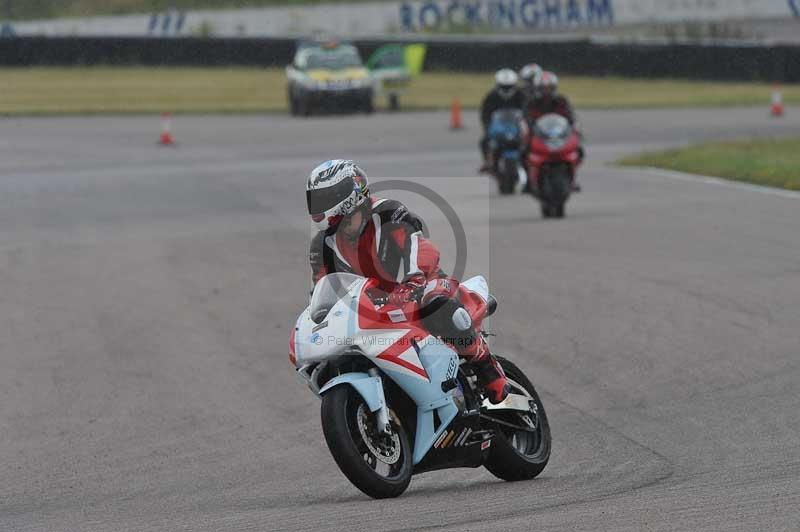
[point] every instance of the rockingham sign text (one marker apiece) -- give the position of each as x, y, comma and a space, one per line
504, 14
352, 20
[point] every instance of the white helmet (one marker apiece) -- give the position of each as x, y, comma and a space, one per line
528, 73
334, 190
506, 82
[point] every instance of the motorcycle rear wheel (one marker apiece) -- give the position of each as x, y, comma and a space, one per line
518, 455
378, 465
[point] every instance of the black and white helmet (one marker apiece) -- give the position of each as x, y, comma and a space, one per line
506, 82
334, 190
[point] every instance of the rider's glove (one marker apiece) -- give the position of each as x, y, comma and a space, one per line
411, 290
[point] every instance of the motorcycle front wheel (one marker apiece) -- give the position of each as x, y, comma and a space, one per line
507, 176
520, 454
378, 464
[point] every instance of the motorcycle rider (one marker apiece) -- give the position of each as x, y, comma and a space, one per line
548, 100
505, 94
383, 240
527, 75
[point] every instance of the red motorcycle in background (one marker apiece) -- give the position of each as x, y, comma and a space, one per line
553, 158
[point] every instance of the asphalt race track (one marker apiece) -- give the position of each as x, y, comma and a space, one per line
147, 296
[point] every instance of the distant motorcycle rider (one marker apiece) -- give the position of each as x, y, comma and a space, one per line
548, 100
505, 94
381, 239
527, 76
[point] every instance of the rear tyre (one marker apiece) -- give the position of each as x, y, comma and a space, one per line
378, 465
515, 454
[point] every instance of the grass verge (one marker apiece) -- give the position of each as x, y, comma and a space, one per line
87, 90
769, 162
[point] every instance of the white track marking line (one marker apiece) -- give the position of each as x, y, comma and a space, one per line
696, 178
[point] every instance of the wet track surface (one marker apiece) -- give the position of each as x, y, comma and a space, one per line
147, 296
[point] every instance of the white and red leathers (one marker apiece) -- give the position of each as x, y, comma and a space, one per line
391, 248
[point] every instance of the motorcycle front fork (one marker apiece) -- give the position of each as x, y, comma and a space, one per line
382, 415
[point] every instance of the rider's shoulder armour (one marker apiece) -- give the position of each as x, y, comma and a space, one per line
394, 212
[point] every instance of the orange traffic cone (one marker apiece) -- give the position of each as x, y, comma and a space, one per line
777, 102
455, 114
166, 130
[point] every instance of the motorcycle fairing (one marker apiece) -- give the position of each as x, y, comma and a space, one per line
461, 445
506, 134
418, 362
441, 363
353, 322
541, 153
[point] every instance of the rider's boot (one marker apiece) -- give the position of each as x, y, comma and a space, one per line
488, 162
490, 373
486, 165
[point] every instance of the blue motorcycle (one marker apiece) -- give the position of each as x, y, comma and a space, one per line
507, 135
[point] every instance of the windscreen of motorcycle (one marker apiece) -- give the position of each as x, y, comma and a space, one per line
552, 127
328, 291
554, 130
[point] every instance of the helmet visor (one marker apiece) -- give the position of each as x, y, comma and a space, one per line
506, 91
321, 200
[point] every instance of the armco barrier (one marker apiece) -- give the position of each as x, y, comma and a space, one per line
29, 51
714, 62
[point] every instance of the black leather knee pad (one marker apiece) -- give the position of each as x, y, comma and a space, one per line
438, 318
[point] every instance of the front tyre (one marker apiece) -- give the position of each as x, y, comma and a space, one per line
517, 454
507, 176
377, 464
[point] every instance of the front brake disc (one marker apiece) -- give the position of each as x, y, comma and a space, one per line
388, 453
